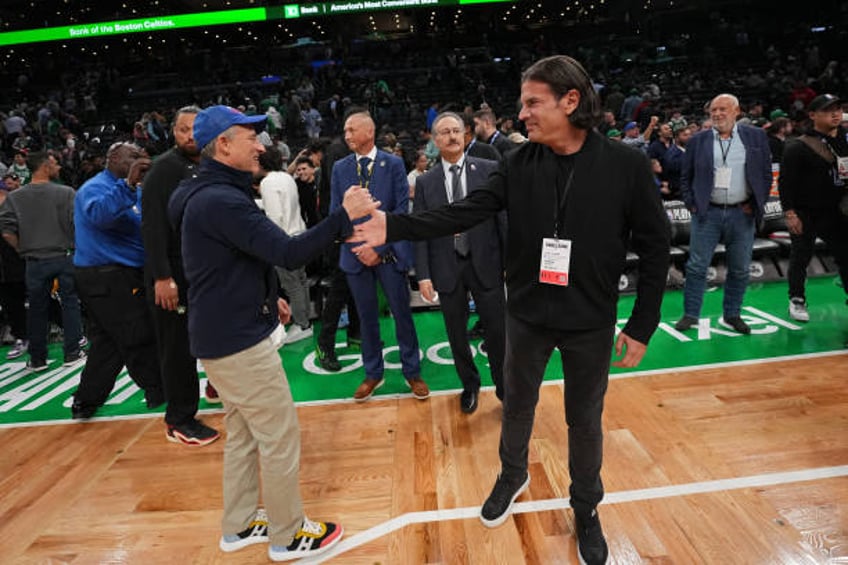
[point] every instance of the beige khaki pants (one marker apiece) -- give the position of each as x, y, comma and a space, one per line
263, 437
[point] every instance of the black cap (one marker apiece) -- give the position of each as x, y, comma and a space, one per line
824, 101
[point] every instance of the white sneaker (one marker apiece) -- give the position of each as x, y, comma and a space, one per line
798, 310
296, 333
18, 349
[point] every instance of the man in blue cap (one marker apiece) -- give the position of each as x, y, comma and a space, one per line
229, 249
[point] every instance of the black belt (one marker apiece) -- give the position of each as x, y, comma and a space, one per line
107, 268
51, 258
729, 205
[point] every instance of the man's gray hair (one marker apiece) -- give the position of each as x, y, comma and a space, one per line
444, 115
211, 147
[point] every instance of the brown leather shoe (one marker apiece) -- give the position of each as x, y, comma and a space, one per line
420, 390
367, 388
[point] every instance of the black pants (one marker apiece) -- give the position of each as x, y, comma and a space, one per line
490, 307
120, 331
585, 366
337, 296
13, 301
830, 226
178, 368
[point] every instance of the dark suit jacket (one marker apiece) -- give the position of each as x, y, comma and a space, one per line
502, 143
389, 186
435, 259
483, 150
697, 175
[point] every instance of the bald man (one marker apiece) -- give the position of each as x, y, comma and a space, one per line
384, 175
725, 180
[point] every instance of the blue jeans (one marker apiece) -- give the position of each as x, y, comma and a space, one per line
735, 229
40, 274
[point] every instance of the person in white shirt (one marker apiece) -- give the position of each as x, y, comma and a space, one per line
282, 205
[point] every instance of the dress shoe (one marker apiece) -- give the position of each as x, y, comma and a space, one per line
468, 400
419, 388
366, 389
80, 411
738, 324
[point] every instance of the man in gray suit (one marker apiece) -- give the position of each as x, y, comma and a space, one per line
469, 261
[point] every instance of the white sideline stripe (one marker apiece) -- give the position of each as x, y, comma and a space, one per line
751, 481
398, 396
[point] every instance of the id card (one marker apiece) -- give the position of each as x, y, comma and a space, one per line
556, 260
842, 167
722, 177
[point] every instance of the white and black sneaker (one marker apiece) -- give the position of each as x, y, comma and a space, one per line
498, 506
17, 349
591, 544
255, 532
798, 310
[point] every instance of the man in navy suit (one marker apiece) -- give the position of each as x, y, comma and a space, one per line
725, 181
469, 261
384, 176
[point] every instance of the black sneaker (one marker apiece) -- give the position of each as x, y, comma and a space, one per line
193, 433
75, 359
497, 507
738, 324
591, 544
255, 532
327, 359
685, 323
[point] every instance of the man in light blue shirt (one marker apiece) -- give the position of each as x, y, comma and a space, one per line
725, 180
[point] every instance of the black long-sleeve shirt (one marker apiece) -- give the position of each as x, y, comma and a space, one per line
612, 204
806, 180
162, 257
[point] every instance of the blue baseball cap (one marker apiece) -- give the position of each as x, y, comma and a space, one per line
628, 127
214, 120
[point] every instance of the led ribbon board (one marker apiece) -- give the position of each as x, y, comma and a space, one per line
317, 9
205, 19
121, 27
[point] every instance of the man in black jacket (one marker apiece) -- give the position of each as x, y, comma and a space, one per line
574, 201
168, 288
813, 180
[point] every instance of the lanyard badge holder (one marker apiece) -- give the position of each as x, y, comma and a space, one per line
555, 263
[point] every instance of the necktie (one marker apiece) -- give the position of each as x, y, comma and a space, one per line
460, 240
364, 171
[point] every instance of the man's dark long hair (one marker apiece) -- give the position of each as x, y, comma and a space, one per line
563, 73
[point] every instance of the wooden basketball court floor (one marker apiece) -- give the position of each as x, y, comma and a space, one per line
740, 463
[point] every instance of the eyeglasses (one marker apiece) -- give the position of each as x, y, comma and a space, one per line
455, 131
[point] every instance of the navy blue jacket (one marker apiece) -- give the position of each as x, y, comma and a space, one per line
229, 247
389, 186
697, 175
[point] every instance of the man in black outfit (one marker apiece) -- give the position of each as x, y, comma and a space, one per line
813, 181
167, 287
338, 294
574, 201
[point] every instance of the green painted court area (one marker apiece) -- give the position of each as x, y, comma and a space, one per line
27, 398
